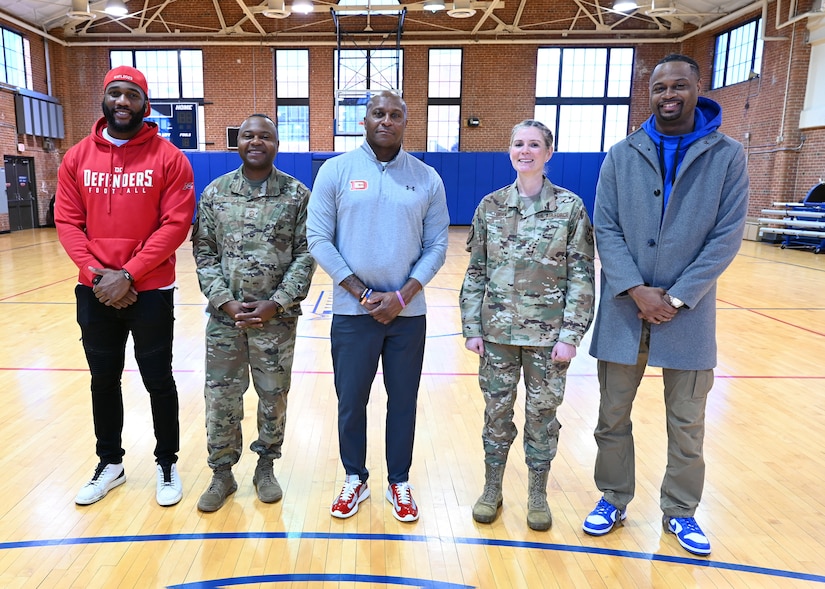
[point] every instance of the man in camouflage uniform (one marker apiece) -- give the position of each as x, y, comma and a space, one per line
255, 269
526, 302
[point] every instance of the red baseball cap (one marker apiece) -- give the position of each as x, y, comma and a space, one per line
125, 73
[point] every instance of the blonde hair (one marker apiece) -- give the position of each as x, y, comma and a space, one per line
545, 131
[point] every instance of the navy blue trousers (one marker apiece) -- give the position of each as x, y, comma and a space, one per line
105, 330
358, 341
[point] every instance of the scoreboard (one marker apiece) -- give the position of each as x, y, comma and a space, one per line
177, 122
184, 125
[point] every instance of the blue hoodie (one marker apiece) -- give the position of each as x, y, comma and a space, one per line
672, 148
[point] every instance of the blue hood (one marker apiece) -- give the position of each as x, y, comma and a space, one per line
672, 148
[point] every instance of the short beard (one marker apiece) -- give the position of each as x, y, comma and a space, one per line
133, 125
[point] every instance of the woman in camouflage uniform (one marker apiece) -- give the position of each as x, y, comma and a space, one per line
526, 302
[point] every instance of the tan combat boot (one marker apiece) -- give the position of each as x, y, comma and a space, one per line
269, 491
538, 512
486, 508
222, 486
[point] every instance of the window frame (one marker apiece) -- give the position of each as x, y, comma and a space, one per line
296, 90
724, 72
155, 92
166, 109
21, 54
610, 99
447, 97
350, 100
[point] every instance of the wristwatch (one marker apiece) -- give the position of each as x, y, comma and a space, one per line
126, 275
674, 302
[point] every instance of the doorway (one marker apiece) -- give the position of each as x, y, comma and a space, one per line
20, 192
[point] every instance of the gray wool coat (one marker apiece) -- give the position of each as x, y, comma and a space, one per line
684, 252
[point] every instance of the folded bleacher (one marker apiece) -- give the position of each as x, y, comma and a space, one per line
798, 224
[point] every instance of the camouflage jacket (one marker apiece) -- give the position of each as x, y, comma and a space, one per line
250, 244
529, 281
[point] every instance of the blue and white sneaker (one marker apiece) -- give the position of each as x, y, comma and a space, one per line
688, 533
603, 518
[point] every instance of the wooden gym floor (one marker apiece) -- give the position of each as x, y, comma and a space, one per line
764, 504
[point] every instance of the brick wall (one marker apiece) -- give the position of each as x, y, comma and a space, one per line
45, 161
8, 139
763, 114
321, 108
237, 83
499, 84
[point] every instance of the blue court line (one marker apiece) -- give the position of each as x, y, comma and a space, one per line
319, 578
318, 302
701, 562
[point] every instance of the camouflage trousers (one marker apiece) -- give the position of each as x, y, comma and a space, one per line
498, 376
231, 354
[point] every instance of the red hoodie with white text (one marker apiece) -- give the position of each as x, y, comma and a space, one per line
125, 207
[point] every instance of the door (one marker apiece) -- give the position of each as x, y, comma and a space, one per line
22, 199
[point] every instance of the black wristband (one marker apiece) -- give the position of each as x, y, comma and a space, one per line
127, 276
96, 280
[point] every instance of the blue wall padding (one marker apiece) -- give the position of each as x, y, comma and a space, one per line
467, 176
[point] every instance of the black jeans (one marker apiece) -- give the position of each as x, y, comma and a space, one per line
104, 329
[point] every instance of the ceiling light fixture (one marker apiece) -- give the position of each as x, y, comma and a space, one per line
276, 9
116, 8
660, 8
625, 5
434, 5
461, 9
80, 9
302, 6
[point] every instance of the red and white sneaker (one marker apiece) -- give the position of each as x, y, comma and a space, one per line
353, 493
403, 506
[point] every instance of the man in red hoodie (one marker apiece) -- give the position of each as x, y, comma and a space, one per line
124, 204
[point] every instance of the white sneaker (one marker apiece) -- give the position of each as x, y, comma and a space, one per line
169, 489
106, 478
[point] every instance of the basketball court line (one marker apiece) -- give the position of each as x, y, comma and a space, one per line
329, 536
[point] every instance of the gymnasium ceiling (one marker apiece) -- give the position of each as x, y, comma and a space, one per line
236, 22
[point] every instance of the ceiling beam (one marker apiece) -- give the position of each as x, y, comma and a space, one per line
601, 30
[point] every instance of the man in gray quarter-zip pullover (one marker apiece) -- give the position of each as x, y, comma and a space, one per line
378, 225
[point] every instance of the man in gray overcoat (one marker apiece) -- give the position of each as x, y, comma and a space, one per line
670, 211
